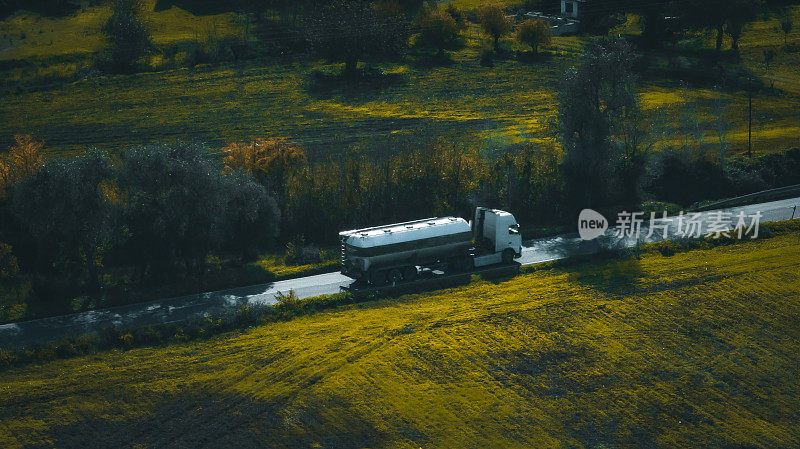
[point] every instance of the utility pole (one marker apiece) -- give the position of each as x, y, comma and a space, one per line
750, 117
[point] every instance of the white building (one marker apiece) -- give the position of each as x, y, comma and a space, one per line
570, 8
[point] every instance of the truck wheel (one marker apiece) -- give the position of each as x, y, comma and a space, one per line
410, 273
395, 276
378, 277
508, 255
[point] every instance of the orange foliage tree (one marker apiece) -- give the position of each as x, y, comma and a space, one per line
23, 158
269, 160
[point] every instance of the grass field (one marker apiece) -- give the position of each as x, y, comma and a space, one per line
695, 349
490, 107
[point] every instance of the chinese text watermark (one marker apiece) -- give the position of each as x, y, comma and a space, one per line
716, 224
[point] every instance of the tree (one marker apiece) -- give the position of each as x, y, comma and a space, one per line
457, 15
734, 30
24, 158
739, 14
786, 25
352, 30
179, 207
494, 22
174, 208
69, 222
534, 32
438, 28
654, 27
252, 216
768, 58
127, 35
269, 160
592, 98
710, 14
722, 16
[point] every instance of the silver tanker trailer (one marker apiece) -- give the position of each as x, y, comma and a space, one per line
397, 252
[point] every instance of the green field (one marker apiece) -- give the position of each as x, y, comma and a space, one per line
699, 348
489, 107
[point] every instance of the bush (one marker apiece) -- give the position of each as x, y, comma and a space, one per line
666, 248
684, 180
7, 358
659, 207
269, 160
299, 253
8, 262
24, 157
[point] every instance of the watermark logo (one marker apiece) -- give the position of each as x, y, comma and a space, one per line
591, 224
635, 225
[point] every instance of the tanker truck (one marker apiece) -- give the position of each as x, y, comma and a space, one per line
399, 252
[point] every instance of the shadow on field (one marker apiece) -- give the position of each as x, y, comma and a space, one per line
529, 57
428, 61
209, 420
364, 81
610, 277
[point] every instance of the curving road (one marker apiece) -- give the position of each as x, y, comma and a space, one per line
186, 307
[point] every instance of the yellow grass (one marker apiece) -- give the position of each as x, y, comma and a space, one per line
80, 32
696, 349
276, 264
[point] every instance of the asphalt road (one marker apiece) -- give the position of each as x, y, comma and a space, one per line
213, 303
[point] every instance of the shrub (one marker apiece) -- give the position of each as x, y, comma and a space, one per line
299, 253
24, 157
8, 262
126, 340
681, 179
666, 248
659, 207
7, 358
270, 160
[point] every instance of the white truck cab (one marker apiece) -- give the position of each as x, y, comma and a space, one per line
496, 232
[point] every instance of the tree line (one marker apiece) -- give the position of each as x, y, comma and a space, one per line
161, 209
353, 31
